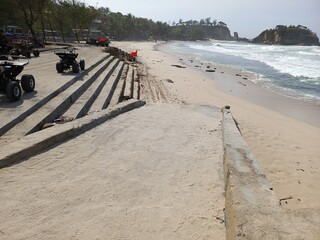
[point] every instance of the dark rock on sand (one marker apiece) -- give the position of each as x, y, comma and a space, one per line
178, 66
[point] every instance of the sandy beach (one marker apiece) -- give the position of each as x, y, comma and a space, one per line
156, 172
283, 133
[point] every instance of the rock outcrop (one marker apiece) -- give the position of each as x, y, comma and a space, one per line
198, 32
292, 35
218, 32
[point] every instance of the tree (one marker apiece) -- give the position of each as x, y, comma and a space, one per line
195, 34
208, 21
189, 23
281, 27
214, 22
30, 11
104, 10
222, 24
58, 12
8, 14
195, 22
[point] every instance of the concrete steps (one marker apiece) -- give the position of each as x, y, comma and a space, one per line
102, 85
6, 125
89, 95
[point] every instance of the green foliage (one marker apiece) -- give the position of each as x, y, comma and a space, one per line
128, 27
59, 16
59, 20
8, 14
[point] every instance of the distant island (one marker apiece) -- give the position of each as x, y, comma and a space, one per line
292, 35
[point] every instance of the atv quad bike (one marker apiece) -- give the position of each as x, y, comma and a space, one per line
24, 49
18, 49
9, 84
68, 60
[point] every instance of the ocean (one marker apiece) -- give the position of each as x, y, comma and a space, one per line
293, 71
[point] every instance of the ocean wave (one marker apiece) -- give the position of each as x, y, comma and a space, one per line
290, 70
294, 60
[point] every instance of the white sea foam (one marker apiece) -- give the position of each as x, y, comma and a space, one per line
291, 70
294, 60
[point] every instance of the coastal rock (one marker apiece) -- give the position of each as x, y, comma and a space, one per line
292, 35
197, 32
218, 32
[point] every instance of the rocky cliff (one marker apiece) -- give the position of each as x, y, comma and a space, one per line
218, 32
198, 32
283, 35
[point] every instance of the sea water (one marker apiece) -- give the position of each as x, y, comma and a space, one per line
290, 70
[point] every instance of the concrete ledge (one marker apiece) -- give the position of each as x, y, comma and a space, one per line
35, 143
252, 208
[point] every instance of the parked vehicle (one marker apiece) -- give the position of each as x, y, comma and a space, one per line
9, 84
68, 61
16, 42
24, 49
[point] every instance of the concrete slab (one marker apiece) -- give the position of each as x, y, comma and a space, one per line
252, 209
152, 173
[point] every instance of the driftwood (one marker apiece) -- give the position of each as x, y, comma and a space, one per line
286, 198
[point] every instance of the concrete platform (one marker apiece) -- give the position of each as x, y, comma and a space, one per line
139, 171
154, 172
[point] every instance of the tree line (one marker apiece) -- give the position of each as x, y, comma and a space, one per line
61, 18
65, 19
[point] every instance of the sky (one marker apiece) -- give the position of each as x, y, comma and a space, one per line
247, 17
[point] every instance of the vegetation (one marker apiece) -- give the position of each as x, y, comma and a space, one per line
288, 35
49, 18
129, 27
63, 20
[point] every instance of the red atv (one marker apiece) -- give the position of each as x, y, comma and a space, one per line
102, 41
99, 41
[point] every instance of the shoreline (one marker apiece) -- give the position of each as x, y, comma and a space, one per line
286, 148
241, 84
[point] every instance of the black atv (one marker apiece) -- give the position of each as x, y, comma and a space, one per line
68, 60
24, 49
19, 49
9, 84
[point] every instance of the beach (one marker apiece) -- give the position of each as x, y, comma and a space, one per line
283, 133
154, 166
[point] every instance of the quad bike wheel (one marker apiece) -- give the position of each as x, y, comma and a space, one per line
59, 67
28, 83
36, 53
26, 53
82, 64
13, 91
75, 67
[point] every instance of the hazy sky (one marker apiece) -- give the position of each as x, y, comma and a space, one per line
247, 17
